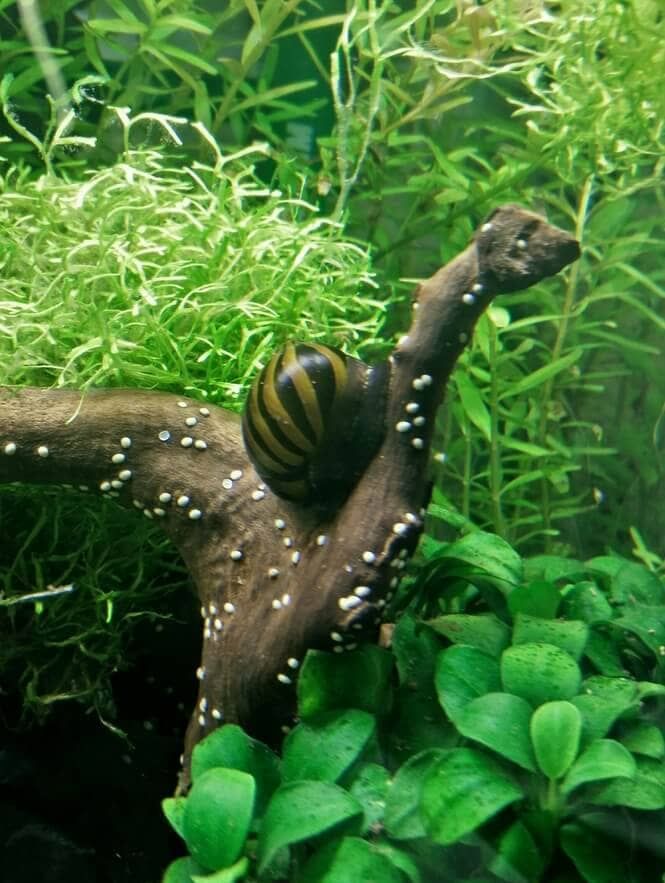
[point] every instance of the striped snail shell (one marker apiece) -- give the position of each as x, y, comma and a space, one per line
313, 420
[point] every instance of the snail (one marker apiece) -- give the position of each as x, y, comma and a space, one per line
313, 421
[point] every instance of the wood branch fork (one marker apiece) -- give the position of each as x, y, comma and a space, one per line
276, 578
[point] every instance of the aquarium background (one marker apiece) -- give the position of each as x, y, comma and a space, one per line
202, 183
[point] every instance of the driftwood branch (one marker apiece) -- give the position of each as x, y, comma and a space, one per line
275, 578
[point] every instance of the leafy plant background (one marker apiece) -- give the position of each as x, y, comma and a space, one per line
149, 256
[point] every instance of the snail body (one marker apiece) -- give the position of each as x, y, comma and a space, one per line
313, 421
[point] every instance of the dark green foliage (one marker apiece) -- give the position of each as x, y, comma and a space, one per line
537, 753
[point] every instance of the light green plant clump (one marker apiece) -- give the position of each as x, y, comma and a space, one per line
151, 274
154, 274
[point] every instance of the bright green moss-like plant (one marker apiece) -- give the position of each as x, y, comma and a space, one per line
145, 274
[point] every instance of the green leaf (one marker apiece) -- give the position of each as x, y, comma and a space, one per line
229, 746
539, 673
105, 26
646, 790
555, 734
602, 701
183, 55
603, 650
350, 859
462, 791
174, 810
539, 377
597, 858
643, 738
324, 747
238, 871
402, 817
370, 786
500, 722
490, 556
634, 582
401, 860
647, 622
603, 759
473, 404
182, 870
587, 602
482, 630
359, 679
462, 674
218, 816
552, 568
415, 649
537, 599
518, 857
301, 810
569, 635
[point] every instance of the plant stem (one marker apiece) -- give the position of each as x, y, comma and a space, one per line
496, 481
562, 328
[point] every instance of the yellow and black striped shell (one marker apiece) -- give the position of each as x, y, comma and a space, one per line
313, 421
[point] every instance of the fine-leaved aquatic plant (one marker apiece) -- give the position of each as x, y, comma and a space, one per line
155, 275
556, 106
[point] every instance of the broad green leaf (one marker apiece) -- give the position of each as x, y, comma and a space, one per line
359, 679
555, 733
482, 630
586, 601
473, 404
462, 674
647, 622
634, 582
182, 870
238, 871
646, 790
418, 722
603, 649
539, 598
603, 759
541, 375
324, 747
370, 786
552, 568
350, 859
301, 810
229, 746
569, 635
490, 556
462, 791
218, 816
539, 673
643, 738
401, 860
402, 817
415, 649
174, 810
518, 857
598, 859
500, 722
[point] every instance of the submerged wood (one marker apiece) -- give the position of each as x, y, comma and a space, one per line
275, 578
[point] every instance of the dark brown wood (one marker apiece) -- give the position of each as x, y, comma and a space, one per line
276, 578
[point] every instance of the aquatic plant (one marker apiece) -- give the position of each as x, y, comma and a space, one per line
513, 732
